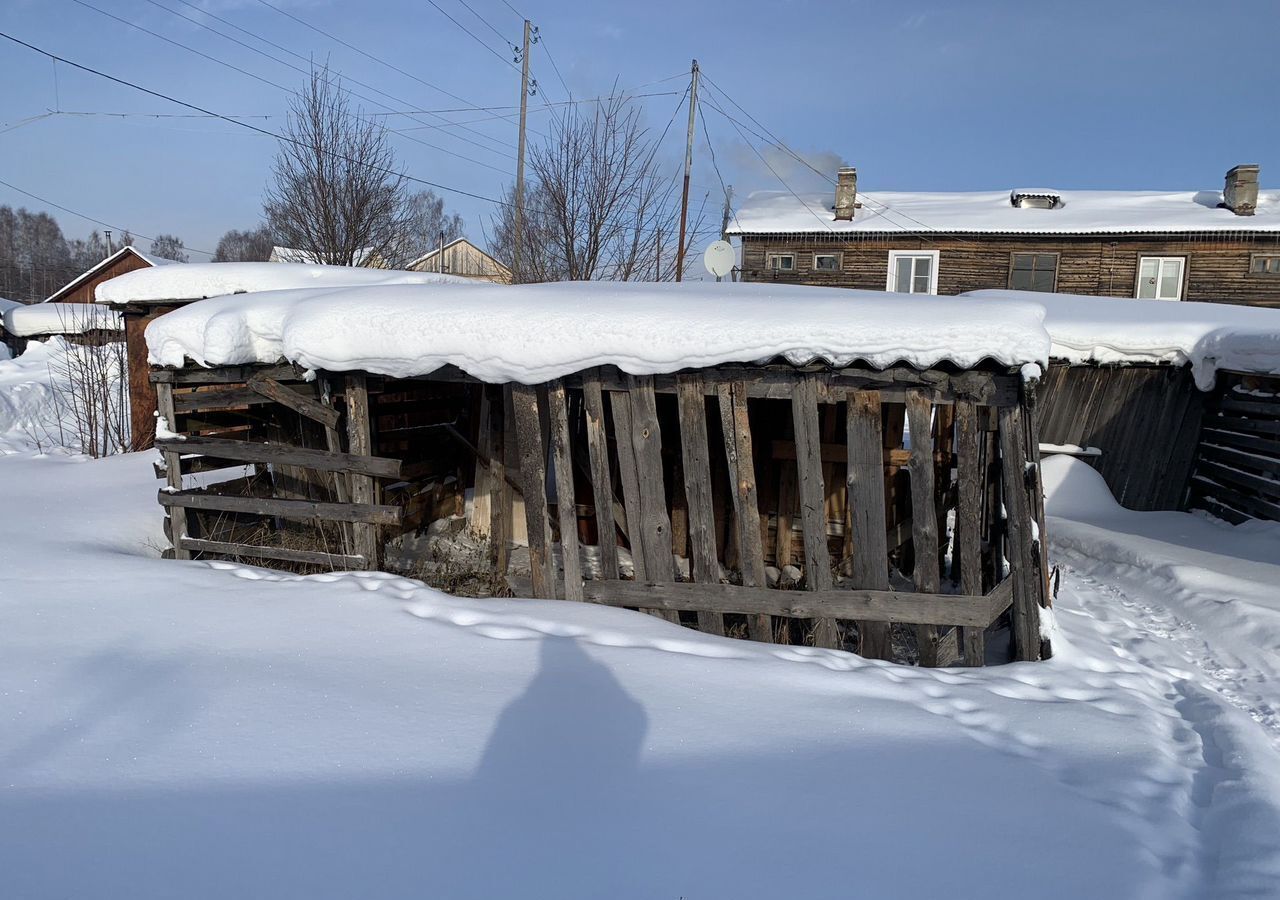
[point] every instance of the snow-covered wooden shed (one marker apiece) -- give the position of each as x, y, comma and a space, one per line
648, 432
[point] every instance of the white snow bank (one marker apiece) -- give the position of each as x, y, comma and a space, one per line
196, 281
59, 318
6, 304
36, 388
1208, 336
1081, 212
533, 333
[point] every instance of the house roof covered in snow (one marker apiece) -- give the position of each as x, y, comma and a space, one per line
995, 212
533, 333
1106, 330
195, 281
107, 262
311, 257
40, 319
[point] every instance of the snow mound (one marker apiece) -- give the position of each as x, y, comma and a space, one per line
533, 333
1073, 489
195, 281
1109, 330
40, 319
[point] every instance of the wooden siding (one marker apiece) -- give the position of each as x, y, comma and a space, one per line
1144, 419
1101, 265
83, 293
1237, 467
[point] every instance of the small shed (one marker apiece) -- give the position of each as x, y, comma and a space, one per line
461, 257
838, 468
1177, 404
127, 259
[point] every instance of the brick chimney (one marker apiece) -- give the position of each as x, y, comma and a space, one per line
847, 192
1240, 194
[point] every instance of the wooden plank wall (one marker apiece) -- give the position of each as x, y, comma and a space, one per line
1236, 473
1144, 419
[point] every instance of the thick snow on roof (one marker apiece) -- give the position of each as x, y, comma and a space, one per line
6, 304
59, 318
196, 281
534, 333
1081, 212
1208, 336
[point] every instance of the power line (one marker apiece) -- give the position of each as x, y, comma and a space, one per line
715, 165
242, 124
310, 65
475, 37
87, 218
487, 24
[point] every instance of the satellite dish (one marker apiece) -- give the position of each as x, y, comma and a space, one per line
719, 258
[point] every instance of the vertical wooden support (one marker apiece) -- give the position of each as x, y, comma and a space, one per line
813, 516
601, 482
481, 504
697, 488
1023, 556
655, 525
359, 442
173, 470
786, 513
341, 482
1036, 492
533, 485
736, 426
967, 555
620, 403
924, 515
870, 563
503, 497
566, 507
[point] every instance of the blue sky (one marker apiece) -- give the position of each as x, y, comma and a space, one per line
963, 95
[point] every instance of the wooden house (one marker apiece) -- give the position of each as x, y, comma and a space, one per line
461, 257
1219, 246
756, 482
81, 288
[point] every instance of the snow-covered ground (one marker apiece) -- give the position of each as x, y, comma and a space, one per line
216, 730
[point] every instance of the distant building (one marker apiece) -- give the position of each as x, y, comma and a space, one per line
461, 257
1190, 245
126, 259
364, 257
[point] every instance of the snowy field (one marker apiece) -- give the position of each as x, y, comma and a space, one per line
213, 730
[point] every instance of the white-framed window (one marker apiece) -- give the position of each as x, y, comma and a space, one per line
826, 262
913, 272
1161, 277
781, 262
1264, 264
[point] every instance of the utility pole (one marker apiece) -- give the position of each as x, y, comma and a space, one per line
688, 167
728, 202
518, 230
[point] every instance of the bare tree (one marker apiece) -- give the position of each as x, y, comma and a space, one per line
598, 205
427, 222
335, 189
169, 246
253, 245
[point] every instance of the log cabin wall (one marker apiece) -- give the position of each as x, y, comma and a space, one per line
1236, 474
1144, 418
1218, 267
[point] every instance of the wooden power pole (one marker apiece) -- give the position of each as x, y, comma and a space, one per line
518, 230
688, 167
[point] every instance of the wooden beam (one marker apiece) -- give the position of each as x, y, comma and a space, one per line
178, 527
253, 551
736, 426
286, 509
481, 506
924, 517
655, 524
303, 406
284, 454
870, 562
364, 535
229, 374
697, 488
566, 509
620, 403
1022, 555
968, 530
862, 605
601, 478
533, 480
813, 518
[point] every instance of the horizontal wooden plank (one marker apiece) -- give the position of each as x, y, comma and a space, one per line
838, 453
1269, 488
862, 605
1239, 423
1241, 499
1267, 445
1241, 459
286, 455
286, 509
1257, 407
254, 551
227, 374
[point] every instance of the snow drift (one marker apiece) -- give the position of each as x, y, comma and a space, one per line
39, 319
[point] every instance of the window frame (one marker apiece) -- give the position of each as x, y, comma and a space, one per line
771, 259
1182, 278
891, 273
1057, 262
834, 255
1264, 274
